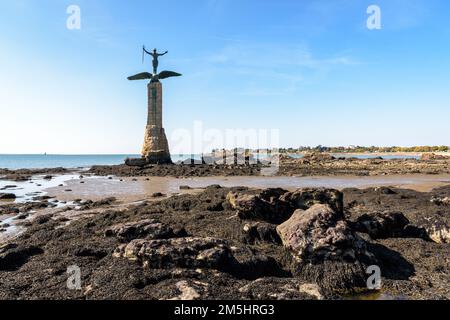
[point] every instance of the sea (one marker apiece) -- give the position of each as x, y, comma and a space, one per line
39, 161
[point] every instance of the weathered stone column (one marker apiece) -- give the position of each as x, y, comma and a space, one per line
156, 147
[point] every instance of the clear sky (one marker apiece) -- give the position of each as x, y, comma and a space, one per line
311, 69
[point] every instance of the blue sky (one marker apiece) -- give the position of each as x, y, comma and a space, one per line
310, 69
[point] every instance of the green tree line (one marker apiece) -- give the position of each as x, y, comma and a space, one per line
361, 149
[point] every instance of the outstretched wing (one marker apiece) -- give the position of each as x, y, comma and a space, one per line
168, 74
141, 76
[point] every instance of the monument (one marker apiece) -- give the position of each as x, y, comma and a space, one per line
156, 147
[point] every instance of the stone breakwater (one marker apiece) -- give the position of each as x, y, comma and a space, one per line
237, 243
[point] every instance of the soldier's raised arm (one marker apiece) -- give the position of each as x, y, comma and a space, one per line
143, 48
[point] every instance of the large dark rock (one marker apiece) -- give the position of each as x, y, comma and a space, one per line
320, 234
136, 162
325, 249
89, 204
318, 156
259, 232
9, 186
149, 228
307, 197
383, 225
261, 205
203, 253
384, 190
7, 196
277, 205
190, 252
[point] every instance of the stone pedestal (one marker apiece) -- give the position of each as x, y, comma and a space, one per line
156, 147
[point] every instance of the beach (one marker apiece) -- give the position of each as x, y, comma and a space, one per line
219, 231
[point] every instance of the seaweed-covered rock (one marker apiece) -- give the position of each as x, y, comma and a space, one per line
7, 196
432, 156
383, 225
271, 288
277, 205
203, 253
256, 232
135, 162
440, 201
438, 231
319, 234
318, 156
158, 195
325, 249
149, 228
89, 204
307, 197
384, 190
262, 205
189, 252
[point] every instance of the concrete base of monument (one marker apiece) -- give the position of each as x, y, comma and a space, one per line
135, 162
156, 148
158, 157
152, 158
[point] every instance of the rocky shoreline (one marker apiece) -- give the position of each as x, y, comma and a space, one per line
309, 165
237, 243
27, 174
314, 164
325, 164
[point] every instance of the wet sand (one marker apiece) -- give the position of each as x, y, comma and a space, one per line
138, 188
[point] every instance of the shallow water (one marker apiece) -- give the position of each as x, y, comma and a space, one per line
68, 187
26, 190
134, 189
12, 230
39, 161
